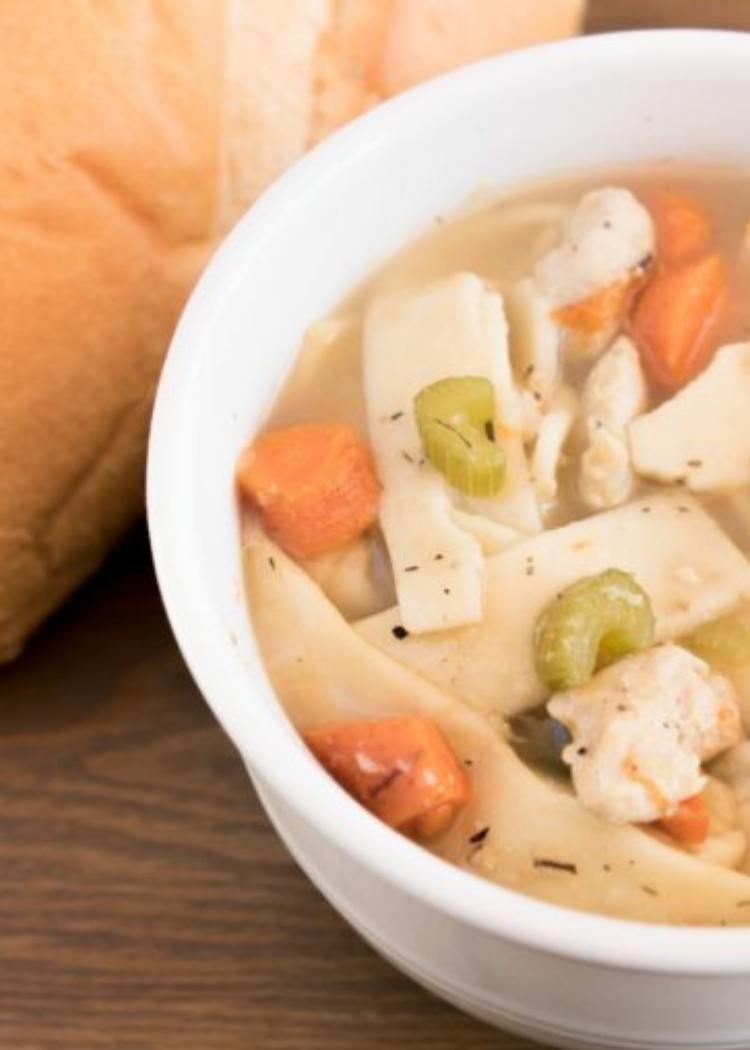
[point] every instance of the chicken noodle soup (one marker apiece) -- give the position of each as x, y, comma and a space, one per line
496, 539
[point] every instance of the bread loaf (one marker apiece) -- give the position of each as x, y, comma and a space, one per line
132, 135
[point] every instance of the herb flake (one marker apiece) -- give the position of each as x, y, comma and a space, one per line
555, 865
479, 836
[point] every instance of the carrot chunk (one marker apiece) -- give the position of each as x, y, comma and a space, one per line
402, 769
683, 230
314, 485
674, 317
689, 823
603, 309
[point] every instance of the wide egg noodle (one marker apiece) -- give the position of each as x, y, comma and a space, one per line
687, 564
538, 838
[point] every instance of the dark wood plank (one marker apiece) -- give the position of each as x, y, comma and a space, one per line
145, 904
610, 15
144, 900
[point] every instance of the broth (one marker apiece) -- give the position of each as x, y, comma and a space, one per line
581, 783
481, 239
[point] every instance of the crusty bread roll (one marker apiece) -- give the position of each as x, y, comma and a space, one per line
132, 134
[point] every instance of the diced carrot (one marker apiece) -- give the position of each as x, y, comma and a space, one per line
689, 823
683, 230
402, 769
674, 316
314, 485
605, 308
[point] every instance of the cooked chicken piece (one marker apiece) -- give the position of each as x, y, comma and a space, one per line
607, 236
588, 279
641, 729
579, 290
614, 394
615, 390
606, 475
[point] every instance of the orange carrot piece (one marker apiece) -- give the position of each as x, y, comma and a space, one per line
402, 769
603, 309
689, 823
683, 230
674, 317
314, 485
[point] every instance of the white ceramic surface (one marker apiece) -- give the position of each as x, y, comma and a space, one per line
564, 977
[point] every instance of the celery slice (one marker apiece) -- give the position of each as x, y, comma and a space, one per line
592, 623
455, 418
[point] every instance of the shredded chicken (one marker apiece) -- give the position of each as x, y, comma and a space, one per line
641, 729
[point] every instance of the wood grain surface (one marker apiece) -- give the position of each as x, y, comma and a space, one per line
145, 904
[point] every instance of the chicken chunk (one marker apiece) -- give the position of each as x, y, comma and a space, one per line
641, 729
614, 394
588, 279
608, 235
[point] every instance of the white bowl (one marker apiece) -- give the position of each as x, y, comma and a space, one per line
560, 976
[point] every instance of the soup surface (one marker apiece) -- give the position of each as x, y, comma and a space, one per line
496, 537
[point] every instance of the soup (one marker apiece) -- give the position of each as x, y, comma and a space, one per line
496, 536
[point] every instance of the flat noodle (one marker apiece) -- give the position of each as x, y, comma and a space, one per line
518, 830
690, 569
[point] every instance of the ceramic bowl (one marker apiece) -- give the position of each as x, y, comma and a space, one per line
560, 976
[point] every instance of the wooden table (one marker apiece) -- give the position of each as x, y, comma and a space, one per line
145, 904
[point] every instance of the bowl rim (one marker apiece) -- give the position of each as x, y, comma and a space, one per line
552, 929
